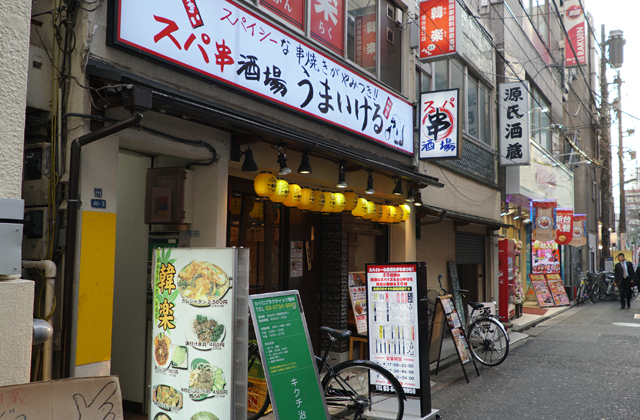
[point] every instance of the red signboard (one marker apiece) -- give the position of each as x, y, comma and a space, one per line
366, 40
564, 226
327, 23
290, 10
437, 28
577, 37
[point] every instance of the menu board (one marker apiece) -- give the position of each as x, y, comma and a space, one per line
287, 357
358, 295
392, 291
557, 290
539, 283
193, 334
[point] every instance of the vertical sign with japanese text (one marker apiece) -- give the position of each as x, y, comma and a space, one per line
292, 11
244, 51
513, 129
287, 357
327, 23
438, 28
392, 307
440, 124
576, 39
564, 224
366, 41
193, 333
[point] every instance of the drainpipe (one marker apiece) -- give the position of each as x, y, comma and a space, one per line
50, 270
72, 229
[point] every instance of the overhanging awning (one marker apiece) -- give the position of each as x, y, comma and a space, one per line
436, 212
172, 102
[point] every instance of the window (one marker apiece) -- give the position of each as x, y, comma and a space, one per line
536, 26
475, 96
539, 118
374, 39
423, 82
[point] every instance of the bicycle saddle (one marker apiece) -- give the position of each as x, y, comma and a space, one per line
476, 305
337, 334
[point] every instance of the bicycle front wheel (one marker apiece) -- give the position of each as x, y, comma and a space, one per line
595, 293
580, 294
257, 391
488, 341
350, 395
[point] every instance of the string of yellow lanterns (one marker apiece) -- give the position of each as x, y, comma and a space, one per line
267, 186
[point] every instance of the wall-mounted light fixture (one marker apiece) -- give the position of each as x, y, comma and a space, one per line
370, 189
418, 199
409, 198
341, 181
305, 167
282, 160
249, 164
398, 189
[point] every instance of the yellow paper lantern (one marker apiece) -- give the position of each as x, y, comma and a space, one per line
265, 184
379, 211
391, 215
384, 215
361, 208
399, 214
406, 211
329, 202
282, 191
318, 205
371, 210
295, 194
340, 202
236, 206
257, 213
307, 199
350, 200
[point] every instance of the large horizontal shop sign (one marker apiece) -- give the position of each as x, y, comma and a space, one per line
220, 40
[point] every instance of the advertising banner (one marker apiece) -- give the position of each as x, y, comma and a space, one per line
564, 223
393, 322
236, 47
438, 28
577, 36
539, 284
193, 335
557, 290
543, 215
292, 11
513, 129
440, 124
579, 223
545, 257
366, 40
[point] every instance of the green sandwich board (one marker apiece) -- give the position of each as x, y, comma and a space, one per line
287, 357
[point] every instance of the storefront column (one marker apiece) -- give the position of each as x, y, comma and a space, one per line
210, 205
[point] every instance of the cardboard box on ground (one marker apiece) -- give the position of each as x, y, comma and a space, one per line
96, 398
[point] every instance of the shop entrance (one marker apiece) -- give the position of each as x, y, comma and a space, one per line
470, 262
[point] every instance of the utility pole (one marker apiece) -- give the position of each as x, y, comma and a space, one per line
605, 152
622, 223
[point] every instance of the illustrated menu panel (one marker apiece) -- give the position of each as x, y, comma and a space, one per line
393, 322
358, 294
192, 349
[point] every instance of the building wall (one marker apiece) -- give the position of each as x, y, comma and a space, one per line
16, 312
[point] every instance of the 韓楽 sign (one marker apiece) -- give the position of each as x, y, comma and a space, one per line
230, 44
438, 28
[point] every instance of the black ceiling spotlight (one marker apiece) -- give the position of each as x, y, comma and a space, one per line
418, 200
341, 182
370, 189
249, 165
304, 167
282, 160
398, 189
409, 198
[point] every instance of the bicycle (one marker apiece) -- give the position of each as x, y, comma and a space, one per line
588, 289
610, 290
488, 338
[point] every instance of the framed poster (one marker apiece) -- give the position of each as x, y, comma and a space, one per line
545, 257
440, 125
557, 290
539, 284
358, 295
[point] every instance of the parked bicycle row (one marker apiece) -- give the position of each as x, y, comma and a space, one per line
600, 285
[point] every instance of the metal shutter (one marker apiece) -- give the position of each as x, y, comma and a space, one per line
469, 249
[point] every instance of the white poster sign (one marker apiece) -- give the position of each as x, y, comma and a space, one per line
392, 290
513, 128
440, 124
231, 44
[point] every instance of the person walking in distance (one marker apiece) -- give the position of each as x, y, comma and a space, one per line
624, 277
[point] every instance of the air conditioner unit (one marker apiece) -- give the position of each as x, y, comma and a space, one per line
36, 174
